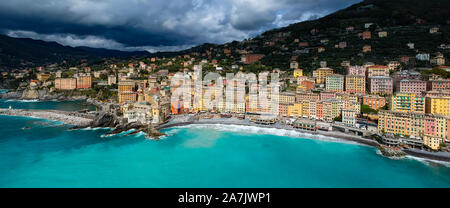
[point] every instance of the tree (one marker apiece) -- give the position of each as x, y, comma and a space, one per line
338, 119
366, 109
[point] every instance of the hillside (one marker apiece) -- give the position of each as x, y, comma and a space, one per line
25, 52
405, 21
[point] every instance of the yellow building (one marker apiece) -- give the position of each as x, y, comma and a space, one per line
126, 92
355, 84
432, 142
287, 98
398, 123
407, 102
295, 110
42, 77
439, 105
321, 74
298, 73
127, 97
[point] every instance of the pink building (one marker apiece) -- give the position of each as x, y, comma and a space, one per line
411, 86
429, 125
357, 70
438, 85
381, 85
327, 95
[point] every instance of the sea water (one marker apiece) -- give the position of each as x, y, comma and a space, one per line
47, 154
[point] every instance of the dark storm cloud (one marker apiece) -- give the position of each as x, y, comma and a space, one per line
154, 25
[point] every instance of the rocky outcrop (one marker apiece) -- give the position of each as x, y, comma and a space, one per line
11, 95
104, 119
391, 153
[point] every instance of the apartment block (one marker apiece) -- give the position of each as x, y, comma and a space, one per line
374, 101
355, 84
408, 103
66, 83
335, 83
377, 70
381, 85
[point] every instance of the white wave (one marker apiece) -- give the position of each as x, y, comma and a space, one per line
23, 101
96, 128
263, 130
428, 161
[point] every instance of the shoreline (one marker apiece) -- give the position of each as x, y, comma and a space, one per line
83, 119
333, 134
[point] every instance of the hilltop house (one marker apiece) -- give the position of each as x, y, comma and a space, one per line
366, 48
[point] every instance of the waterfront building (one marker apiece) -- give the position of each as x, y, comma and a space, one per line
433, 129
407, 103
349, 117
381, 85
321, 74
374, 101
437, 105
335, 82
295, 110
411, 86
355, 84
377, 70
65, 83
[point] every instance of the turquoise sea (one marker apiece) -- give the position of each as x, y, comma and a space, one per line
49, 155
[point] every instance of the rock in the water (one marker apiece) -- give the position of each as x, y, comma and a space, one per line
389, 152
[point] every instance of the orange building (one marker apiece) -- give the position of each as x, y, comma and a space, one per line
375, 102
84, 82
66, 83
355, 84
126, 92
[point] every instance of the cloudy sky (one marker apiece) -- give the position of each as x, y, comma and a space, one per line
154, 25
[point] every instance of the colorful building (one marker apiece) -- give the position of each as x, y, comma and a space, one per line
377, 70
411, 86
335, 83
355, 84
84, 81
321, 74
381, 85
66, 84
349, 117
298, 73
357, 70
408, 103
374, 101
437, 105
438, 85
